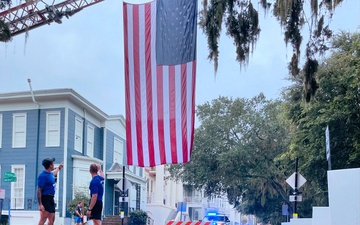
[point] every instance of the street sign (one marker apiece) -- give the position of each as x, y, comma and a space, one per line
124, 193
298, 198
9, 177
300, 180
127, 184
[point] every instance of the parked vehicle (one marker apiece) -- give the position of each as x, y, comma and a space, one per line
216, 218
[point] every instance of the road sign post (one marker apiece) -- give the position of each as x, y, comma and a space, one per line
296, 181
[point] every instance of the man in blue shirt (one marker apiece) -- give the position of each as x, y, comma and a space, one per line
46, 191
96, 192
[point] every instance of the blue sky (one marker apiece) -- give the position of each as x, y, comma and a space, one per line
85, 53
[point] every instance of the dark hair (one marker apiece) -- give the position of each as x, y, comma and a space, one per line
93, 168
47, 165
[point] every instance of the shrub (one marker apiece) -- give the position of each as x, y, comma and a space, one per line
79, 196
138, 217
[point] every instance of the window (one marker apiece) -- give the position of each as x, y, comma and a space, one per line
118, 151
78, 134
19, 130
90, 141
1, 130
52, 129
18, 187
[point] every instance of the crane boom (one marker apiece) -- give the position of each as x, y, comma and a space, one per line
35, 13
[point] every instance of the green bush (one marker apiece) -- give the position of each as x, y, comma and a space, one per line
4, 220
79, 196
138, 217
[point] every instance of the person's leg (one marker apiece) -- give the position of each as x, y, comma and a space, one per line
77, 220
97, 222
51, 218
43, 216
96, 213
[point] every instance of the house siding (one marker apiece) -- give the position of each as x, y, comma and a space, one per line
76, 164
109, 188
29, 156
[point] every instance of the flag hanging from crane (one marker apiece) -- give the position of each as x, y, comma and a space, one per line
160, 68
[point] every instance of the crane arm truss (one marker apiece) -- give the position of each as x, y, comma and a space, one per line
29, 15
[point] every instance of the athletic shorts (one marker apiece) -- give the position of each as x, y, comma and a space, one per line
48, 203
78, 219
96, 210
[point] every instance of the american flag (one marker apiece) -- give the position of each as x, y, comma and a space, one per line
160, 67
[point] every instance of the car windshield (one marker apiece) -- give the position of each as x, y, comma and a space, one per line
216, 218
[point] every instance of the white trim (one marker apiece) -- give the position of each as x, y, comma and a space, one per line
66, 133
87, 159
81, 134
104, 163
57, 194
90, 138
120, 151
13, 202
14, 131
1, 131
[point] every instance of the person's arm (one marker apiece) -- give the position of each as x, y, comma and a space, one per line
55, 171
41, 207
100, 172
77, 211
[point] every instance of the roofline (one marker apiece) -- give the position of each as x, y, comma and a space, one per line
42, 95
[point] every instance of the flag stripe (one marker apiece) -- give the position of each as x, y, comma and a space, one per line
149, 75
172, 112
161, 125
127, 87
159, 98
183, 112
137, 84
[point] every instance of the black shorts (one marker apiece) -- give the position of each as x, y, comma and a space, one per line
48, 202
96, 210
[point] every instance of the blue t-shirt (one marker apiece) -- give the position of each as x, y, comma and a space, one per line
46, 181
97, 186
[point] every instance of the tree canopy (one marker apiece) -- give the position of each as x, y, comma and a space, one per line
5, 34
236, 152
241, 20
245, 148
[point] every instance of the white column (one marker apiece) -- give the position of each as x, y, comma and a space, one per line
159, 185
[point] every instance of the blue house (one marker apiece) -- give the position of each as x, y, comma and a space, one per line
62, 124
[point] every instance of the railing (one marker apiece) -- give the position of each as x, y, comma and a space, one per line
149, 221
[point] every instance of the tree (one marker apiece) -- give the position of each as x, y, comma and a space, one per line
5, 34
336, 104
237, 151
241, 21
79, 196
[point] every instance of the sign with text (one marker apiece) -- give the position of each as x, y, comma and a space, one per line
9, 177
